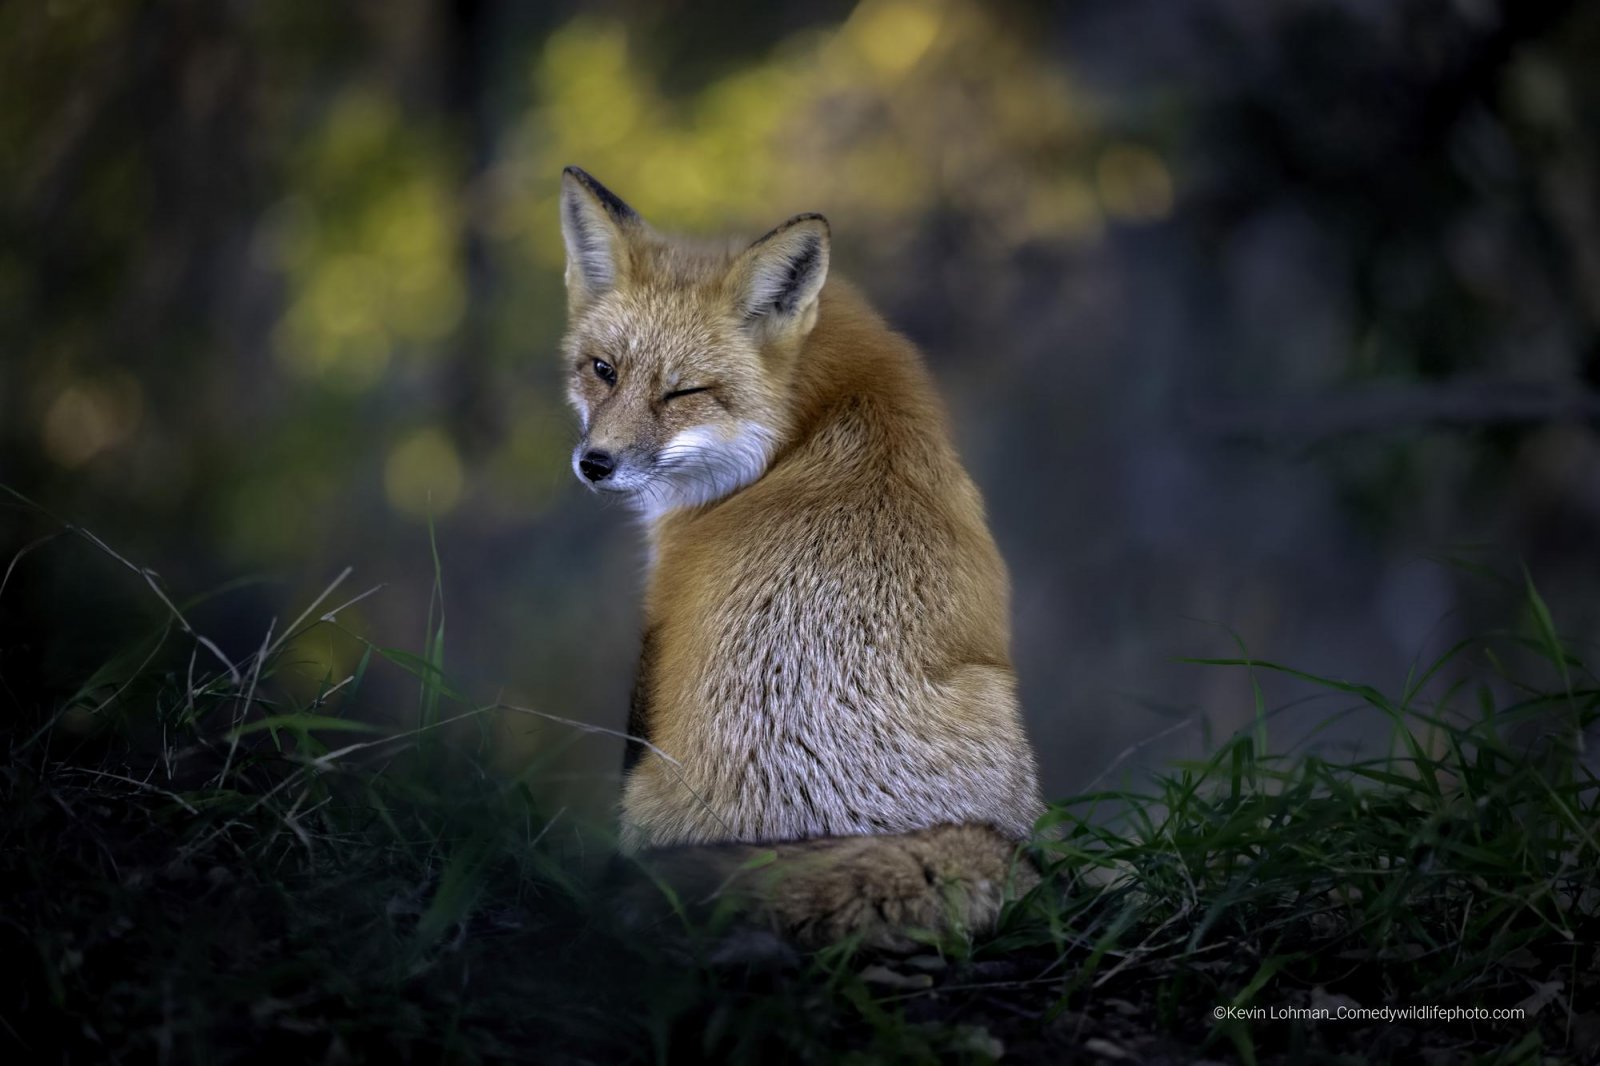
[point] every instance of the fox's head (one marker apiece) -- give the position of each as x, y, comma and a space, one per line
678, 353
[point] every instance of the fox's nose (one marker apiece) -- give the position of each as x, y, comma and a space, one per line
596, 466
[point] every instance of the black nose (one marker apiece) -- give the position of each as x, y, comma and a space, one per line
596, 466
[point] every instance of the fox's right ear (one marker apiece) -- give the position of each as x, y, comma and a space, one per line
779, 277
595, 224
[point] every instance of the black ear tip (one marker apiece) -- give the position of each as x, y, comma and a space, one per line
610, 200
812, 216
798, 220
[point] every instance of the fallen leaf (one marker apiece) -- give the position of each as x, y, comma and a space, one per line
1543, 994
1321, 997
1105, 1049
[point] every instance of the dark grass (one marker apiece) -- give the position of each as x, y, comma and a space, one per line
207, 864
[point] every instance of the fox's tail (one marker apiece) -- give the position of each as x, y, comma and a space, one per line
880, 889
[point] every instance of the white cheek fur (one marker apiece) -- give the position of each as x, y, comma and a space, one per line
702, 464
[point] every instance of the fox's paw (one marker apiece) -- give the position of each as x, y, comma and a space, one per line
894, 892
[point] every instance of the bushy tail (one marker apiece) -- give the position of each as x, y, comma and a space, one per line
881, 889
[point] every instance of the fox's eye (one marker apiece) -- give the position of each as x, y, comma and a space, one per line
605, 371
685, 392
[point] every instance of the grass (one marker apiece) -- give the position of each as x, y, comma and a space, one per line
209, 864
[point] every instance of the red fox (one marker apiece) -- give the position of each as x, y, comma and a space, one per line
826, 668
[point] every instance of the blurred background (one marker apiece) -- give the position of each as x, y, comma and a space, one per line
1267, 319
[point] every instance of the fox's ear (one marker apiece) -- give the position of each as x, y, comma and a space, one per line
595, 223
780, 276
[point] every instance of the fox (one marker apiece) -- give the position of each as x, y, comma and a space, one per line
825, 722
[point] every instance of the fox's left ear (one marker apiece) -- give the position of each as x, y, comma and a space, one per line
780, 276
595, 224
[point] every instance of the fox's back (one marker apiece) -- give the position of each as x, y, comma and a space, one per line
828, 648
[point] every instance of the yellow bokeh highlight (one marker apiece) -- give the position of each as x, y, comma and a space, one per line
346, 294
906, 107
893, 34
369, 246
1134, 183
423, 476
87, 418
589, 79
322, 657
1066, 207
